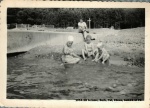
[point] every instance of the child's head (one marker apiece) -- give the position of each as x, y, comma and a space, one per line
81, 20
70, 41
88, 39
100, 45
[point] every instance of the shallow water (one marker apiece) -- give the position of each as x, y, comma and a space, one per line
47, 78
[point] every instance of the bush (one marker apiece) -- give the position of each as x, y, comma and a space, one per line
11, 26
137, 60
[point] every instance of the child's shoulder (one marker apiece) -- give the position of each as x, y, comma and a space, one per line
92, 43
64, 46
85, 43
104, 50
84, 23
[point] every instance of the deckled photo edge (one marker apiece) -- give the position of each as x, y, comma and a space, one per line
68, 103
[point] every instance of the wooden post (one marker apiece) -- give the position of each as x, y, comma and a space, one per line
16, 25
89, 23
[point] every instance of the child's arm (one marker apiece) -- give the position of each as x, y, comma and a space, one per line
66, 51
85, 25
75, 55
79, 25
96, 57
100, 56
93, 48
85, 47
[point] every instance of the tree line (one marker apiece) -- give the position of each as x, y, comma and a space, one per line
63, 17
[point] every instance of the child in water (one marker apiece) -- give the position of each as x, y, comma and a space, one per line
89, 48
68, 55
101, 53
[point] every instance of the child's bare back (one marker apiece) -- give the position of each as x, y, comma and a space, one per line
101, 54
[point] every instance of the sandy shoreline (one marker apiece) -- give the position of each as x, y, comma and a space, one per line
39, 73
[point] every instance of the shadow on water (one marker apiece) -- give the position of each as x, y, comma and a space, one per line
15, 54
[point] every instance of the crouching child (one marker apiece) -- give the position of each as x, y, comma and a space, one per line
101, 54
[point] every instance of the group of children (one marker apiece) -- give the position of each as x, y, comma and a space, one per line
99, 54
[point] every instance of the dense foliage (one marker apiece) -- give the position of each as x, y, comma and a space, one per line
64, 17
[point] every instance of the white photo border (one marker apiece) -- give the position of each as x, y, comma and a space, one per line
69, 103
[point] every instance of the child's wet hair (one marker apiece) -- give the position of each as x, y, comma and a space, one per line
88, 36
100, 45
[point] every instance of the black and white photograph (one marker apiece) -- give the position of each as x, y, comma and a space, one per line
75, 53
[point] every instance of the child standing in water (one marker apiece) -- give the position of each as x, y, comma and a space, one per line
101, 53
68, 55
89, 48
